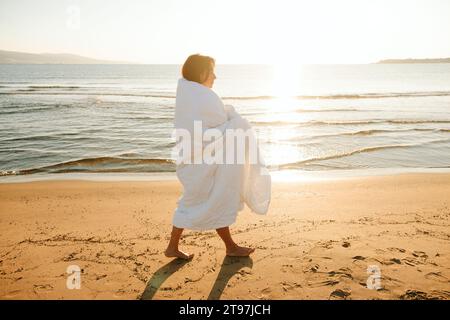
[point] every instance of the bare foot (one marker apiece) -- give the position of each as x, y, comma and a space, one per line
240, 251
170, 253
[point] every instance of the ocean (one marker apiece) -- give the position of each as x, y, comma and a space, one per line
314, 118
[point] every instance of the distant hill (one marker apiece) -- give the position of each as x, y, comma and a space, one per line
14, 57
443, 60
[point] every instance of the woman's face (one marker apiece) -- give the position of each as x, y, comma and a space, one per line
210, 79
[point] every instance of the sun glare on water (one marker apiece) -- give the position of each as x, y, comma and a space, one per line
281, 112
286, 88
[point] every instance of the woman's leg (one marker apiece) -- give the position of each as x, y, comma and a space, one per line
172, 248
232, 248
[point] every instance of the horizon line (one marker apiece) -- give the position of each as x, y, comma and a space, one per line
108, 61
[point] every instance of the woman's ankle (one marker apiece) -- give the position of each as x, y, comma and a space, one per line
172, 247
231, 246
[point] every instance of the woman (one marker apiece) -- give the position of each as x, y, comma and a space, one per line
213, 193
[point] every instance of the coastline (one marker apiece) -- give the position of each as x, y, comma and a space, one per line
317, 241
277, 176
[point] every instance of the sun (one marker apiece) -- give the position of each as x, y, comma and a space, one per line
286, 85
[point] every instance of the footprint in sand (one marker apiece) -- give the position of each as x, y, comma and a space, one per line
314, 268
440, 294
437, 276
325, 245
323, 283
419, 257
346, 244
290, 285
340, 294
39, 288
420, 254
98, 277
397, 249
342, 272
265, 293
391, 261
415, 295
360, 258
410, 262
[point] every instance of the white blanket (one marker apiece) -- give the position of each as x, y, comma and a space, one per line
214, 193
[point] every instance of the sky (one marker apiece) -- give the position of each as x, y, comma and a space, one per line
232, 31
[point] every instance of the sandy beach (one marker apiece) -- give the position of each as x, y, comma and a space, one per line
317, 241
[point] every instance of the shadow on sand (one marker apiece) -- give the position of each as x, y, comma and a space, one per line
160, 276
230, 266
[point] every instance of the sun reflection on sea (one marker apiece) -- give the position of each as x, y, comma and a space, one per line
281, 116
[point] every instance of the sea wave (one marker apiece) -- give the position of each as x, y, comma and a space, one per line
350, 96
128, 162
100, 164
299, 164
369, 132
332, 110
143, 92
348, 122
53, 87
35, 91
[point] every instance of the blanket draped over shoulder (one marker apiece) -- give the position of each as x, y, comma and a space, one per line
215, 191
